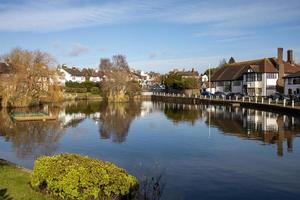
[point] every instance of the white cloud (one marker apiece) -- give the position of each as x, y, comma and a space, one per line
73, 50
217, 16
77, 49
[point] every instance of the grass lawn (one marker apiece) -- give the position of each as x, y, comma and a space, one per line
14, 184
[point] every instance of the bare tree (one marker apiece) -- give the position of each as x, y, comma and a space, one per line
119, 62
32, 76
118, 84
105, 64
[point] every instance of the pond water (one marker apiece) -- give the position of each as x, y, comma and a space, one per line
201, 152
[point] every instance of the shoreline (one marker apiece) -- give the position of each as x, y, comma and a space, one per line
275, 108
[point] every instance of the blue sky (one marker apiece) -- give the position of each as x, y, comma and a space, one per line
155, 35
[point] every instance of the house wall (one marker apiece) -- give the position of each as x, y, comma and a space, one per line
237, 89
294, 87
265, 87
95, 79
68, 77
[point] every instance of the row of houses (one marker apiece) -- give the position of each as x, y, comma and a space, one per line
74, 74
261, 77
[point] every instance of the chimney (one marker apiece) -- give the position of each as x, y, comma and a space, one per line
290, 56
280, 81
280, 55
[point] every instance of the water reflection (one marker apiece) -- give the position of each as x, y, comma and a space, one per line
271, 128
30, 138
114, 121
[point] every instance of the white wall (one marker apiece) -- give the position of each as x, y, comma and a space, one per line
294, 87
95, 79
68, 77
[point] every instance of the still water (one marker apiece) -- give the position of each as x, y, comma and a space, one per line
201, 152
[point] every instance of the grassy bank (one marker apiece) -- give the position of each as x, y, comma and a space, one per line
14, 184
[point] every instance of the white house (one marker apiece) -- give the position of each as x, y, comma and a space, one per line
96, 76
71, 74
260, 77
292, 84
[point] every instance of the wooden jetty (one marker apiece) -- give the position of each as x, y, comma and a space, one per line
32, 116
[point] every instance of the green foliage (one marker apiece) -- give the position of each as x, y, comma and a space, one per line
75, 87
175, 81
95, 90
71, 176
76, 90
191, 83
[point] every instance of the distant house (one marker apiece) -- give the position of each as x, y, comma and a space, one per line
96, 76
71, 74
188, 74
261, 77
292, 84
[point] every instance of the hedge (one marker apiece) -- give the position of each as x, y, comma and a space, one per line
95, 90
88, 85
71, 176
76, 90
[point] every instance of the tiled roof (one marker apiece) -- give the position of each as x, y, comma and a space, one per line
235, 71
188, 73
73, 71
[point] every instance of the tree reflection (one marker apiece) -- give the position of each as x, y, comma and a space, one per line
182, 113
115, 119
30, 138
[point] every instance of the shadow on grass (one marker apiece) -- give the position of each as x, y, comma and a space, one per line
3, 162
4, 195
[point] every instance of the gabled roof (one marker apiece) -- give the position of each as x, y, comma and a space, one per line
236, 70
73, 71
187, 73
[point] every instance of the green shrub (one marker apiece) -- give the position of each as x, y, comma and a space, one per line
76, 90
71, 176
95, 90
88, 85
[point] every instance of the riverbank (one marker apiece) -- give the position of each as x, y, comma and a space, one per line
14, 183
255, 103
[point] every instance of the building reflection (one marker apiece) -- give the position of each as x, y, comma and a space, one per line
113, 122
270, 128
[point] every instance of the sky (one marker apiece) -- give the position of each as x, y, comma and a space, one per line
154, 35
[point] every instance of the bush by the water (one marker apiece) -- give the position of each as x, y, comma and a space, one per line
76, 90
95, 90
71, 176
87, 85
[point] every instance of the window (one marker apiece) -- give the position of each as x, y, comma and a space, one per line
236, 83
290, 81
258, 77
250, 77
220, 83
254, 77
271, 87
296, 81
271, 75
298, 91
